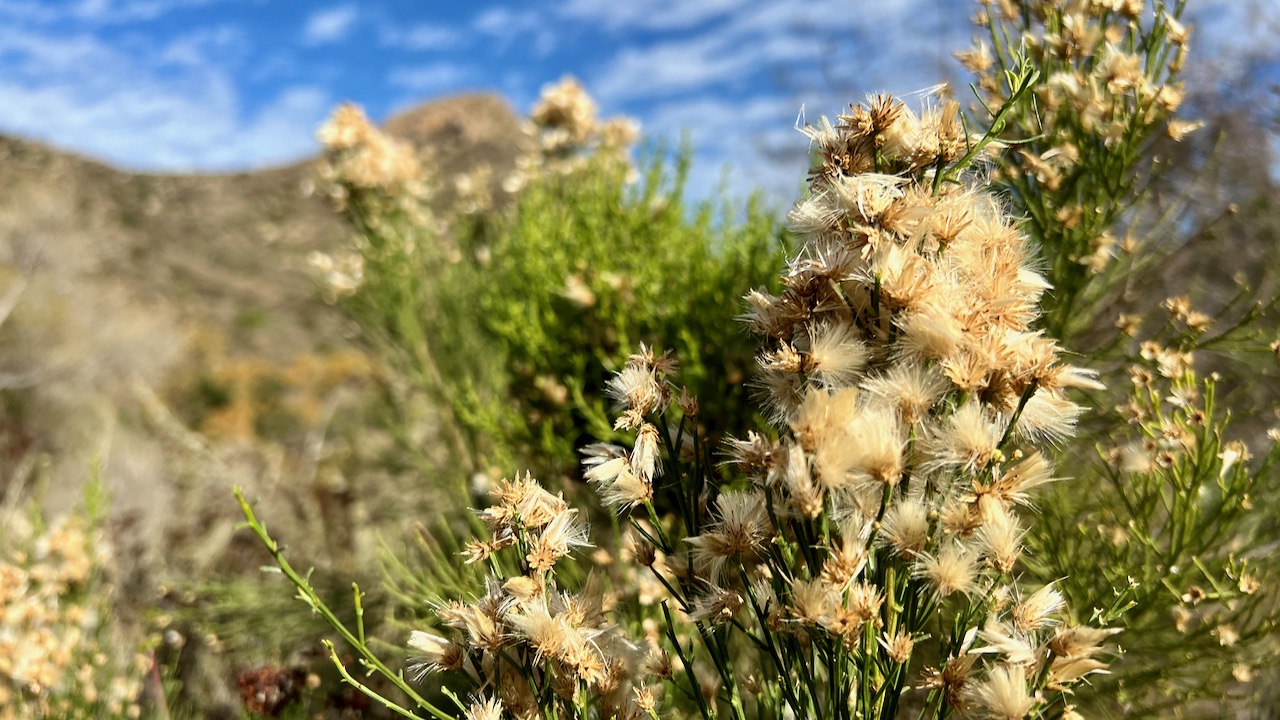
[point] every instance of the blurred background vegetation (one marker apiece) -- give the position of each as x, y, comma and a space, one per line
366, 341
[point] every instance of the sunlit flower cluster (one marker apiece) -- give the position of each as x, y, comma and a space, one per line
911, 392
1108, 79
902, 360
362, 157
563, 641
382, 185
53, 660
568, 133
906, 292
340, 274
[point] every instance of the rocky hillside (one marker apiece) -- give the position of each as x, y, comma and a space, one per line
143, 317
115, 287
225, 250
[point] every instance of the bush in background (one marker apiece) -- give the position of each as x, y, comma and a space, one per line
516, 318
61, 649
1168, 496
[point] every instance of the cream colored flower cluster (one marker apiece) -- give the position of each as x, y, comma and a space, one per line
562, 641
566, 114
381, 184
906, 292
340, 274
51, 659
568, 131
873, 548
902, 361
360, 157
1108, 73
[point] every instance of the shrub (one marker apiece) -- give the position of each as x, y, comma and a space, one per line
1156, 503
517, 318
868, 377
864, 547
63, 652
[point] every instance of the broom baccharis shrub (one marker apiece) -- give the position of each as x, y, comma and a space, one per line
1177, 517
858, 556
1176, 511
1167, 505
1079, 155
517, 317
587, 267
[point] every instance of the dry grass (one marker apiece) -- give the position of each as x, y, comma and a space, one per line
121, 292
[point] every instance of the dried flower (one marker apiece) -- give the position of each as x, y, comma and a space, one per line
609, 469
898, 646
490, 709
437, 653
1004, 694
1036, 611
952, 570
906, 527
740, 530
562, 534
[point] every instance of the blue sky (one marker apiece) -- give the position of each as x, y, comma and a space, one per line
224, 85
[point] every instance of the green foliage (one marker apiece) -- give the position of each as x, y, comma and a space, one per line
516, 319
584, 269
1178, 517
1081, 146
353, 632
1166, 511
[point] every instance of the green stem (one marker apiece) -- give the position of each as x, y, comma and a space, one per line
688, 665
364, 689
308, 594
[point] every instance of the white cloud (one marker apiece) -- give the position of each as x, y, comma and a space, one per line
329, 25
506, 26
430, 78
505, 22
29, 11
142, 111
123, 11
809, 43
197, 47
649, 14
423, 36
695, 63
759, 147
94, 12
